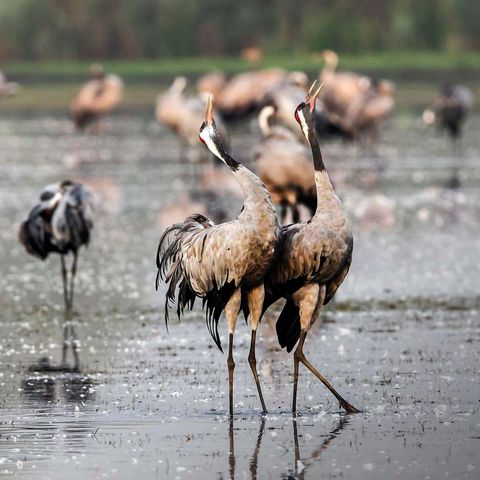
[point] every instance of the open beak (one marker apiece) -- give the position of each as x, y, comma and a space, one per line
312, 95
208, 110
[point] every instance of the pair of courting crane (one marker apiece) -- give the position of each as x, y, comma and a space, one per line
250, 262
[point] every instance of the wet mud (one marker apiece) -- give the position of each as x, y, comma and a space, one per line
401, 342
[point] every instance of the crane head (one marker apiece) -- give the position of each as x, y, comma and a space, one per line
209, 136
208, 129
305, 112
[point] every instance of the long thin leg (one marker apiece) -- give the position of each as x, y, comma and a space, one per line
295, 383
307, 299
310, 300
73, 272
253, 365
73, 334
231, 453
255, 305
283, 213
301, 357
65, 286
231, 312
295, 213
66, 318
231, 368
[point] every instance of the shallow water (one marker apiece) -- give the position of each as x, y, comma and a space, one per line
401, 342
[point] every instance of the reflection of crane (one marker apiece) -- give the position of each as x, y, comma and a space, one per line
232, 463
60, 223
98, 97
302, 466
222, 263
313, 261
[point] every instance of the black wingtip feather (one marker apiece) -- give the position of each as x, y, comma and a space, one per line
288, 326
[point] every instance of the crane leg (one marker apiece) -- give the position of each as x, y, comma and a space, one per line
74, 339
231, 368
255, 305
309, 309
73, 273
283, 213
65, 283
231, 312
66, 318
295, 213
231, 452
301, 357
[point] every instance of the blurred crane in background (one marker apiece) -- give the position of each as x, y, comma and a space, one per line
61, 223
97, 98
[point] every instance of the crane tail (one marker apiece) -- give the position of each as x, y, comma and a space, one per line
288, 326
214, 303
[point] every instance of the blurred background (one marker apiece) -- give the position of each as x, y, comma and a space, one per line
150, 40
403, 336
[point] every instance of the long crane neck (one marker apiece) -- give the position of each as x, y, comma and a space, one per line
257, 200
324, 188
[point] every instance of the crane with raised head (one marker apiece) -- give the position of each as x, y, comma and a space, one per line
314, 259
222, 264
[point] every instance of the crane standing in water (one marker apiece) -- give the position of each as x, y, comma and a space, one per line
314, 259
222, 263
61, 223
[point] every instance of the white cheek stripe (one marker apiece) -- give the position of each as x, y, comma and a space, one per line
207, 138
303, 123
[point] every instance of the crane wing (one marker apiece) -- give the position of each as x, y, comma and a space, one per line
36, 235
203, 260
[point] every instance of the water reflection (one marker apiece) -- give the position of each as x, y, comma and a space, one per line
65, 388
301, 465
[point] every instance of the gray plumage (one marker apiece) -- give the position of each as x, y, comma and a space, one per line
223, 264
211, 261
60, 222
450, 109
314, 259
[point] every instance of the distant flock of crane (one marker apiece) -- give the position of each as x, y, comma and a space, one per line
248, 263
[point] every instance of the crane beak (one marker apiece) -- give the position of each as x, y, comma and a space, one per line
312, 95
208, 110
